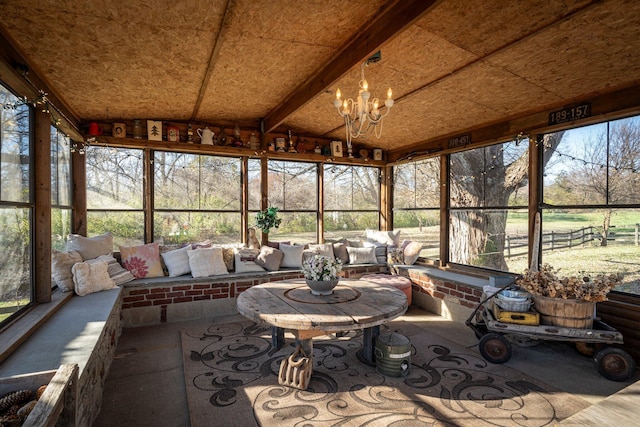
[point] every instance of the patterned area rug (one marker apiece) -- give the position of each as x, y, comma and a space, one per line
231, 375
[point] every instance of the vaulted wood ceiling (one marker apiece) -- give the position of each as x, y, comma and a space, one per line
454, 65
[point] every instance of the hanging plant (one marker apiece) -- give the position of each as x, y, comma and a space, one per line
267, 219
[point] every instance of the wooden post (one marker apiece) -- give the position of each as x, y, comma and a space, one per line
535, 193
148, 195
320, 198
42, 211
444, 210
79, 197
244, 186
264, 191
386, 194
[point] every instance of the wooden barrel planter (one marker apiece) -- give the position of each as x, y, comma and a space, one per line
569, 313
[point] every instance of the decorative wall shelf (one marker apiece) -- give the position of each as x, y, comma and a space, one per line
184, 147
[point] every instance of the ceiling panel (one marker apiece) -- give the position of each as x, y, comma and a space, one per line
452, 68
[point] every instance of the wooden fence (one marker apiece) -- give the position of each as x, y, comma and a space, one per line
517, 245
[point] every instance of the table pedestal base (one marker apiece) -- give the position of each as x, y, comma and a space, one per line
305, 339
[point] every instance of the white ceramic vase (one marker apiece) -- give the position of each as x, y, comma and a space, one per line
322, 287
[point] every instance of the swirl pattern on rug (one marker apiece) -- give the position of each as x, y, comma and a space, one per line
231, 366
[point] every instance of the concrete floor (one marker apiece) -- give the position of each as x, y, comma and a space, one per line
146, 386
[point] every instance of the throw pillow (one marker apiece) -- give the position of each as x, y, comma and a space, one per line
380, 250
142, 261
354, 243
362, 255
177, 261
118, 274
292, 255
390, 238
245, 260
90, 247
61, 265
395, 256
340, 252
206, 262
91, 276
325, 249
269, 258
412, 252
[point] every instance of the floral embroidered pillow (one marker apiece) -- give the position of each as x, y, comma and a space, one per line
142, 261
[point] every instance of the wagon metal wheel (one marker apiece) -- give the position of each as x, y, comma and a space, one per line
495, 348
614, 364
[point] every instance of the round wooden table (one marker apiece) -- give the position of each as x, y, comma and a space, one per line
354, 304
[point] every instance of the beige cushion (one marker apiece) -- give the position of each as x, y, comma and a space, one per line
118, 274
380, 250
362, 255
340, 252
91, 247
142, 261
412, 252
61, 265
245, 260
292, 255
177, 261
325, 249
206, 262
91, 276
269, 258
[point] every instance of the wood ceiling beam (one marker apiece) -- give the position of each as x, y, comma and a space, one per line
397, 16
215, 52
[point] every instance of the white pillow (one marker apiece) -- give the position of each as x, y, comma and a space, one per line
362, 255
390, 238
177, 261
91, 247
380, 250
324, 249
206, 262
91, 276
412, 252
61, 265
245, 260
292, 255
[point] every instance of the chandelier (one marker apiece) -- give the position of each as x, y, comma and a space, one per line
363, 114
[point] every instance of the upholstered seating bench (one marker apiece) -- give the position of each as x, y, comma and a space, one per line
173, 299
84, 331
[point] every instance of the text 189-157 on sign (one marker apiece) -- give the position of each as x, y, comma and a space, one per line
569, 114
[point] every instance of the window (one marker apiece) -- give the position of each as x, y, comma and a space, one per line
60, 189
351, 200
416, 204
293, 188
489, 206
196, 198
16, 207
115, 194
591, 201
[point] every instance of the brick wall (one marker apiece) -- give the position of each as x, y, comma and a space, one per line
165, 301
452, 297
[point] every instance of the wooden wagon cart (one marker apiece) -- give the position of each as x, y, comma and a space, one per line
598, 341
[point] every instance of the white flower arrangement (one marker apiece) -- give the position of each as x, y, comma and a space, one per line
321, 268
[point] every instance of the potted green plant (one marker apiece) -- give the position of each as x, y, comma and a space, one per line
268, 219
